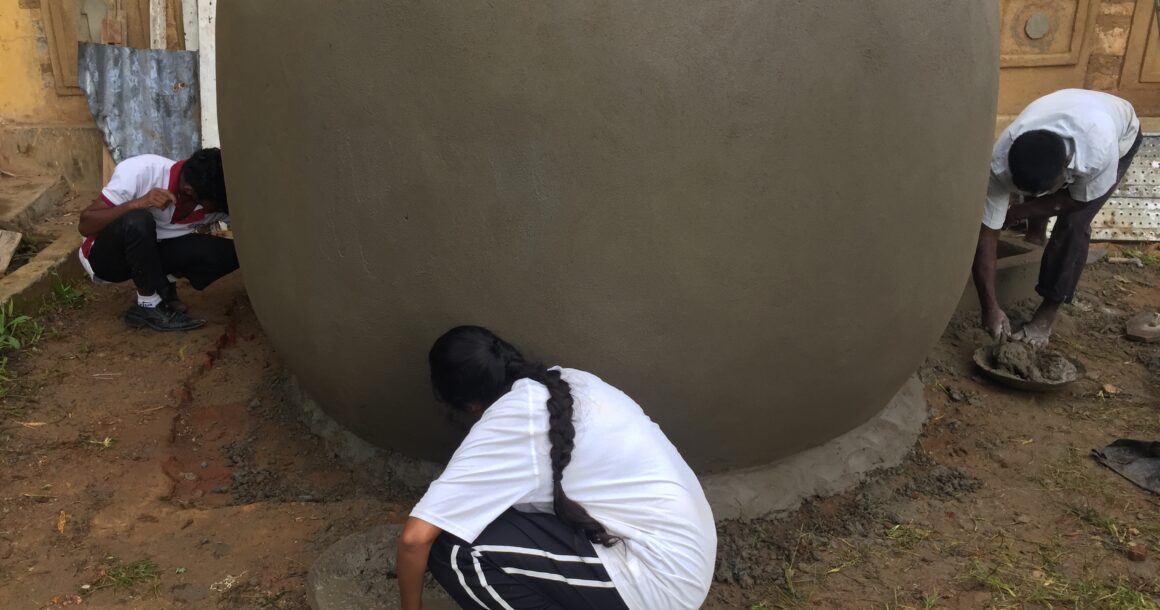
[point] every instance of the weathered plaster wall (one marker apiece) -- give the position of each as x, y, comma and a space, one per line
27, 88
38, 126
1106, 45
753, 217
1113, 24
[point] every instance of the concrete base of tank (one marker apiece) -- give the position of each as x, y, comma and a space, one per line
1016, 273
828, 469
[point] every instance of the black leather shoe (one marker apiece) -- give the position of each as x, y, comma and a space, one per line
170, 298
162, 318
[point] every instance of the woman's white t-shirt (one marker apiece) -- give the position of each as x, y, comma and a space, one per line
624, 472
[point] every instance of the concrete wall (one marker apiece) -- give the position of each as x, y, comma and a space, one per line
38, 125
753, 217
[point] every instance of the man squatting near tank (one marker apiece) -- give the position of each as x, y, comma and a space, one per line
1064, 154
147, 226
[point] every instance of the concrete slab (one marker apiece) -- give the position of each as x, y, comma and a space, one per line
28, 286
25, 200
1016, 273
358, 573
831, 468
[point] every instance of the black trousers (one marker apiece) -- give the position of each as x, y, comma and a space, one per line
524, 561
128, 249
1066, 252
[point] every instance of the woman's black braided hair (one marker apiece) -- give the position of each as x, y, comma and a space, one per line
470, 365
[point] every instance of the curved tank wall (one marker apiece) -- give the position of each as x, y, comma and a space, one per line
753, 217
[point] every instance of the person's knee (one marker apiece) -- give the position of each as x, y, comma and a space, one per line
140, 223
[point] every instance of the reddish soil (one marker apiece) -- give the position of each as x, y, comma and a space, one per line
205, 473
208, 475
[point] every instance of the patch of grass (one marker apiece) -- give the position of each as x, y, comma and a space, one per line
1123, 598
1076, 473
1116, 534
17, 330
907, 535
1150, 258
100, 444
128, 576
1022, 586
64, 295
993, 580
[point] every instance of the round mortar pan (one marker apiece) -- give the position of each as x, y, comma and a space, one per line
982, 357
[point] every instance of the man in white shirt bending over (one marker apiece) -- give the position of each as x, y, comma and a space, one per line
145, 227
1064, 154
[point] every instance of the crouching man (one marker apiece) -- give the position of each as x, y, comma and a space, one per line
148, 226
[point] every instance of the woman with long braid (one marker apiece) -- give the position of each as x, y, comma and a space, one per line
564, 495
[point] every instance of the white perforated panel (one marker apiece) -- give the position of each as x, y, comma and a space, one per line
1133, 212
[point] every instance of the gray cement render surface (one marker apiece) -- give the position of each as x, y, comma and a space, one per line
358, 572
753, 217
828, 469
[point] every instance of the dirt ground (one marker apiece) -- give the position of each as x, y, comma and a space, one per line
142, 470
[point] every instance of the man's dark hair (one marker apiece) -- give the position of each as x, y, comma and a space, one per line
203, 173
1037, 160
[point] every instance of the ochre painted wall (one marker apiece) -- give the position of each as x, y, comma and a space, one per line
27, 90
1105, 45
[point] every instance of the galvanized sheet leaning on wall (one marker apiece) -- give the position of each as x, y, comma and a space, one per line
144, 101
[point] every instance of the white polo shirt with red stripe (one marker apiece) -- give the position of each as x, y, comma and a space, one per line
132, 179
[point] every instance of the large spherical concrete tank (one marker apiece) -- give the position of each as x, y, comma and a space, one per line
753, 217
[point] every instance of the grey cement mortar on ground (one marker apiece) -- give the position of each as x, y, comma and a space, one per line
828, 469
358, 573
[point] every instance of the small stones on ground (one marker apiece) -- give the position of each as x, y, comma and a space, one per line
1024, 519
975, 401
956, 395
1137, 551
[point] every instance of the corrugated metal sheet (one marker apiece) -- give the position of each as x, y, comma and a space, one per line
145, 101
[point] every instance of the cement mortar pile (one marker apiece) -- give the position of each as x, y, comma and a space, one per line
1038, 365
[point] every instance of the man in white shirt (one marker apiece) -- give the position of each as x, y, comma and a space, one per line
1064, 154
145, 226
